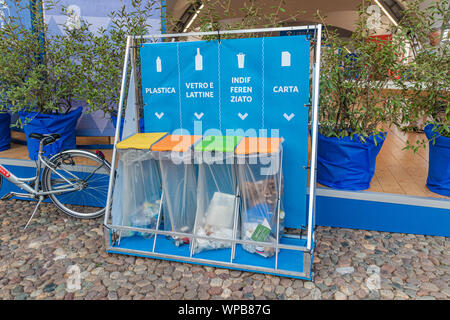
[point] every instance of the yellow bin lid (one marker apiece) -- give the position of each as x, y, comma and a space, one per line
142, 141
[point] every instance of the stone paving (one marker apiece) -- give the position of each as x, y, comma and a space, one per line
42, 263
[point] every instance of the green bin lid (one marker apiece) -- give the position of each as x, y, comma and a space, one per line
218, 143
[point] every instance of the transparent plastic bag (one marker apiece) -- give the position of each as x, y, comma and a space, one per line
142, 191
216, 205
260, 193
179, 185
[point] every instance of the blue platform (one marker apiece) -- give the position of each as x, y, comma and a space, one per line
288, 260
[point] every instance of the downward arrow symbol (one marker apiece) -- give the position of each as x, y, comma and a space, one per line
289, 117
159, 115
198, 116
242, 116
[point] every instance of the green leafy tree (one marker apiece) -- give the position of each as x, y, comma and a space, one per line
216, 15
355, 76
426, 92
38, 73
107, 51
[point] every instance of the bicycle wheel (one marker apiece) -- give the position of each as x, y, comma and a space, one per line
86, 172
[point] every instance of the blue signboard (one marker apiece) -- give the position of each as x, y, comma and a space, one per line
235, 86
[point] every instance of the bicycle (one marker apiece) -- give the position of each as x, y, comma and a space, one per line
76, 181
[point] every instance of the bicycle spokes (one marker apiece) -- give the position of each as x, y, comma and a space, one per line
87, 175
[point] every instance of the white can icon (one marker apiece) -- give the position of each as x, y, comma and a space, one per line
241, 60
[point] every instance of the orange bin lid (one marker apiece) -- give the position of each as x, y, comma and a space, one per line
175, 142
252, 145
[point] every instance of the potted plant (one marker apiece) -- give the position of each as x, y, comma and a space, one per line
427, 93
42, 77
354, 104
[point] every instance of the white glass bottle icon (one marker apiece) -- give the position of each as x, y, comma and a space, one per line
198, 61
158, 64
285, 59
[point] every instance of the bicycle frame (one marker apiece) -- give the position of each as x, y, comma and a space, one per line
23, 183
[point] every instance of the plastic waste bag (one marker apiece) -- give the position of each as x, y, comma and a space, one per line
261, 192
216, 205
142, 191
179, 185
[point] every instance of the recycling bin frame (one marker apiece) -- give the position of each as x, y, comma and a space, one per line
245, 158
226, 155
131, 121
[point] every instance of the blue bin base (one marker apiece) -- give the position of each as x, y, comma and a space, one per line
289, 261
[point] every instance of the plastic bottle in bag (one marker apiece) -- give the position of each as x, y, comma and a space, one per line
145, 217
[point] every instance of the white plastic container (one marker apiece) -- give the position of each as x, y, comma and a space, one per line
221, 210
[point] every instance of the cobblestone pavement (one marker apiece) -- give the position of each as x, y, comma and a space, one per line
349, 264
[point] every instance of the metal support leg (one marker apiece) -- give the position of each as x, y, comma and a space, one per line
236, 207
34, 211
280, 175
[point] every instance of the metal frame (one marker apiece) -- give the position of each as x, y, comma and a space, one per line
307, 250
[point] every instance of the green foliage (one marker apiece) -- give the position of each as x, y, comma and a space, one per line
50, 75
426, 93
355, 76
107, 51
218, 15
37, 74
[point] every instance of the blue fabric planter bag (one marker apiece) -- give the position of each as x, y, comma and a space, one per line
5, 131
122, 121
64, 124
438, 179
347, 164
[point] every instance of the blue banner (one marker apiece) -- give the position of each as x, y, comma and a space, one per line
240, 86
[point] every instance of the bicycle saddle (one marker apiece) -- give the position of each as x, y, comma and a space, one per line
45, 138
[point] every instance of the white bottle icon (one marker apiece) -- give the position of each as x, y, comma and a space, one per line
158, 64
285, 59
198, 61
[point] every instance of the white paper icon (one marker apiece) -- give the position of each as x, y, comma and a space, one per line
241, 57
198, 61
285, 59
158, 64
